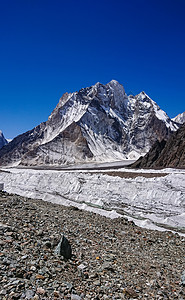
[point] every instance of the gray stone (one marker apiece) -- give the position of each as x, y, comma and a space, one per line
29, 294
3, 292
82, 267
47, 244
75, 297
64, 248
183, 278
107, 266
97, 282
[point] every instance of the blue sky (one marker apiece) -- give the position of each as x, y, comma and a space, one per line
49, 47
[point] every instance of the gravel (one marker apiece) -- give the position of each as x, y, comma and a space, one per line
111, 259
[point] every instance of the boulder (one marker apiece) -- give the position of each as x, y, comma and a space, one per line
64, 248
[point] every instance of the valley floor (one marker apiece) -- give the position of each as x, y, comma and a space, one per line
112, 258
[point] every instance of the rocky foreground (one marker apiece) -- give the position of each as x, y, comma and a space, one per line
112, 259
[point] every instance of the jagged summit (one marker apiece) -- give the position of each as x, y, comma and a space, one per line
113, 81
97, 123
180, 118
143, 96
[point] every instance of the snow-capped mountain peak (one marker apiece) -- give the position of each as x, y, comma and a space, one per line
148, 103
180, 118
116, 86
115, 82
161, 115
143, 96
99, 123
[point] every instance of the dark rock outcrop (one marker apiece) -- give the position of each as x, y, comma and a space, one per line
3, 141
170, 153
64, 248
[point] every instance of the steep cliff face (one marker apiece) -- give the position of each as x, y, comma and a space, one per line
170, 153
98, 123
3, 141
56, 152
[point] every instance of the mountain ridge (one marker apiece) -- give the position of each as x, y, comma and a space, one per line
111, 126
165, 154
180, 118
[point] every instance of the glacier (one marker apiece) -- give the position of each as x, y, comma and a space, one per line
156, 203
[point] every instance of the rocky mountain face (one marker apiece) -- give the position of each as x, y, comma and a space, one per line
98, 123
180, 118
3, 141
170, 153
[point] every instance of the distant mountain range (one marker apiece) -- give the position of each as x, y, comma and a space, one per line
97, 123
3, 141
